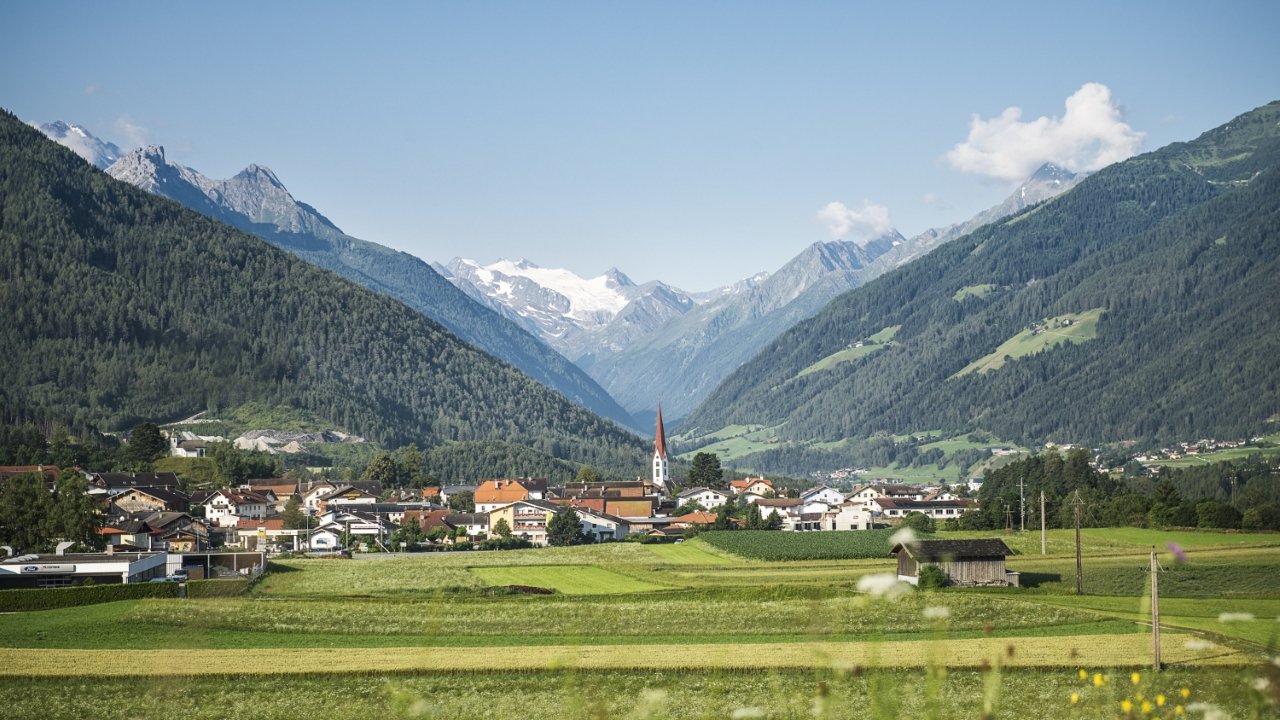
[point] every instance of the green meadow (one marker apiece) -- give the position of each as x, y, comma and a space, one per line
708, 628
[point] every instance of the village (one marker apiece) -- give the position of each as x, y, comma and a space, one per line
150, 512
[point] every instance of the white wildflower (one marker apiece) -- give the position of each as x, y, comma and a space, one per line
746, 713
886, 585
1211, 712
937, 612
1261, 684
904, 536
1198, 644
1227, 617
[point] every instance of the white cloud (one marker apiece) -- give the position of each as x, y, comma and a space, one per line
866, 223
134, 135
1090, 135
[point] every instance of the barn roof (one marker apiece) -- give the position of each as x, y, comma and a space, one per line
954, 549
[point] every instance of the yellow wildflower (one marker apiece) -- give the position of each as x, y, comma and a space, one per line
1126, 706
1135, 678
1084, 674
1185, 693
1160, 701
1146, 706
1097, 680
1075, 698
1179, 710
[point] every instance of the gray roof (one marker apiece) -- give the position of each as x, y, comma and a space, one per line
954, 549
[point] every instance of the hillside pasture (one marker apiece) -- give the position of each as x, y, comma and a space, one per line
1048, 334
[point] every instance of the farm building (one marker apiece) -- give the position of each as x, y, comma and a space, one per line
965, 562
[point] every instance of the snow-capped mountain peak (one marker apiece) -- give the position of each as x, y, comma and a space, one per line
95, 151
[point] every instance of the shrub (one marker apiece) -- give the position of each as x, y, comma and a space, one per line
931, 578
918, 521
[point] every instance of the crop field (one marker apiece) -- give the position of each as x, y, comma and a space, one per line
765, 545
704, 629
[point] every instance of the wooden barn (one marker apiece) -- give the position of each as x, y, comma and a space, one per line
965, 562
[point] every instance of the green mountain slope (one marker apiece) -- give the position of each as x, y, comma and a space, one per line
1178, 248
121, 306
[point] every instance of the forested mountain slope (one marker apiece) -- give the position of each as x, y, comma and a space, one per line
1175, 252
257, 202
121, 306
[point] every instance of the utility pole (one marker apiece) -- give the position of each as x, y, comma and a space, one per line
1079, 563
1022, 502
1042, 526
1008, 519
1155, 612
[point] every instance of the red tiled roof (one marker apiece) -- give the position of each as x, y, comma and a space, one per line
274, 523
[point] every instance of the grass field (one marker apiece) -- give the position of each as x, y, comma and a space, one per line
973, 291
1051, 333
690, 630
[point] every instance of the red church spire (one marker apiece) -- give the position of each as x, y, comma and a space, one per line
660, 437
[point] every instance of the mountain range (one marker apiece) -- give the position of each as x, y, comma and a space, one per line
654, 341
255, 201
1142, 305
123, 306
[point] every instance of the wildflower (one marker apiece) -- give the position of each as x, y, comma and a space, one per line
1198, 644
1098, 680
1179, 710
1135, 678
747, 713
904, 536
1146, 707
1126, 705
1160, 701
1227, 617
1185, 693
937, 612
1211, 712
1261, 684
1179, 554
1084, 674
1075, 698
886, 585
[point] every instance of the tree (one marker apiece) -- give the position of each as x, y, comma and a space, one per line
723, 521
751, 519
1262, 517
564, 528
146, 444
918, 521
74, 513
706, 470
501, 528
1216, 514
587, 474
25, 508
409, 533
382, 470
691, 506
773, 522
293, 516
463, 502
409, 470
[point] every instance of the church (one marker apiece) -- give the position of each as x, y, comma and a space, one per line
661, 478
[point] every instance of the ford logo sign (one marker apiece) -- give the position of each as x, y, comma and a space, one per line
31, 568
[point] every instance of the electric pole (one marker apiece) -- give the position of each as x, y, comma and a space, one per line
1079, 563
1042, 526
1155, 612
1022, 503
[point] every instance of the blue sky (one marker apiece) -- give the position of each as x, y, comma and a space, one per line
692, 142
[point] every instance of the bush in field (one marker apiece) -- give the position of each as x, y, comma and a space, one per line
766, 545
918, 521
931, 578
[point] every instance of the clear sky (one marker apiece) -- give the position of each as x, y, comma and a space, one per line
692, 142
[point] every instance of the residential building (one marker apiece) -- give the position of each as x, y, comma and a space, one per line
151, 499
226, 508
708, 498
757, 485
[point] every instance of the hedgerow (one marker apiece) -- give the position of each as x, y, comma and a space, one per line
51, 598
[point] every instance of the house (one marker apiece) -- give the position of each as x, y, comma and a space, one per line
879, 490
823, 494
114, 483
345, 496
785, 507
448, 491
964, 562
694, 518
226, 508
758, 485
268, 533
895, 509
477, 524
151, 499
850, 515
526, 518
431, 493
282, 489
706, 497
312, 493
362, 527
493, 494
50, 472
598, 527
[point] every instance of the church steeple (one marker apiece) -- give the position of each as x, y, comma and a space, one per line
661, 472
